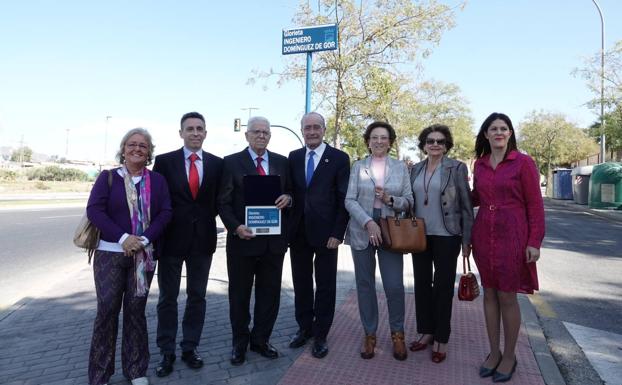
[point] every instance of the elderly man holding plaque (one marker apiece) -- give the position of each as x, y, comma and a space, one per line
254, 189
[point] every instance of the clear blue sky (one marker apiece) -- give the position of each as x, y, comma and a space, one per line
69, 64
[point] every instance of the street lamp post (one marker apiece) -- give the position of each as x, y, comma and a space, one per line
237, 125
105, 140
602, 84
67, 145
250, 110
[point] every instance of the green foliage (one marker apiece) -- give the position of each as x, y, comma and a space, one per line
7, 175
613, 130
55, 173
442, 103
553, 141
612, 95
22, 154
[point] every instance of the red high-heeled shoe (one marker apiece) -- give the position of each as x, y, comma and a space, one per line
438, 357
416, 346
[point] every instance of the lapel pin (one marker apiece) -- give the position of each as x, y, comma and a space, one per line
326, 160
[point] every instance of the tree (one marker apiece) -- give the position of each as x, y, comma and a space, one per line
443, 103
378, 42
553, 141
22, 154
612, 99
613, 130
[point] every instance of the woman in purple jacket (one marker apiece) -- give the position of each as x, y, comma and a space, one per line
131, 209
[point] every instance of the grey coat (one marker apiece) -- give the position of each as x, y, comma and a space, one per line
360, 197
456, 206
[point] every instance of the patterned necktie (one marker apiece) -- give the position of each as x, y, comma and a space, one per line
193, 176
260, 169
310, 167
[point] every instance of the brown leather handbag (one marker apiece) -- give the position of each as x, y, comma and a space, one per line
468, 287
403, 235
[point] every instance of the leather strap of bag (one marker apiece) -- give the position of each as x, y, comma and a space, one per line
91, 252
466, 262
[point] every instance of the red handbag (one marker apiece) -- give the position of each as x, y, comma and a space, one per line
468, 288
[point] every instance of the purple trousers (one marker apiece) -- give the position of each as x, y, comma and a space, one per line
115, 285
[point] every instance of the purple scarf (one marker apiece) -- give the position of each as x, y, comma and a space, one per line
139, 206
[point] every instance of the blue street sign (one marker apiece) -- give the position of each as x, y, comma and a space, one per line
310, 39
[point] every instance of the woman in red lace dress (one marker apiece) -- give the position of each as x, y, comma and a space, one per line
507, 235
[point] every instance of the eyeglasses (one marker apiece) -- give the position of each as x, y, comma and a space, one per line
440, 142
259, 132
133, 146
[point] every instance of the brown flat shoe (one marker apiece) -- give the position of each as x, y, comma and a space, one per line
399, 346
369, 345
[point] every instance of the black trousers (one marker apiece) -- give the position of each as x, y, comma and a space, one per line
265, 271
169, 278
314, 312
435, 275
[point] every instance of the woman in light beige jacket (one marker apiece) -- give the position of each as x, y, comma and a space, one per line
379, 186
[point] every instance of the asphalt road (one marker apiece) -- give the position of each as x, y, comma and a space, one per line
36, 250
580, 284
580, 269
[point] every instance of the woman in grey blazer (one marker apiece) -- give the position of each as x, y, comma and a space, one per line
442, 198
379, 186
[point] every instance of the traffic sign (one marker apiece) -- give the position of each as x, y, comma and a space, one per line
310, 39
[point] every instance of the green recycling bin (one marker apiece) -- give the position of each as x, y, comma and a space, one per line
606, 186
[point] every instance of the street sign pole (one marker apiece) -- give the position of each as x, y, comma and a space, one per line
308, 40
308, 96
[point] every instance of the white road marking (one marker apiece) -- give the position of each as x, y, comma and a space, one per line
62, 216
603, 349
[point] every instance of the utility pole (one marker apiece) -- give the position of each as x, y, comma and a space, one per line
105, 141
67, 145
21, 151
603, 151
250, 110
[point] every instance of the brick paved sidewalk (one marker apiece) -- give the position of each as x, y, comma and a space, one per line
46, 339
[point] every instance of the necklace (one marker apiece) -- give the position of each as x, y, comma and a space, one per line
426, 185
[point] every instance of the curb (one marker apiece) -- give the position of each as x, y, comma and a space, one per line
540, 348
7, 311
613, 215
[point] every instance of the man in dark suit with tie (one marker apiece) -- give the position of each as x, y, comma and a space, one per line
193, 178
251, 257
318, 222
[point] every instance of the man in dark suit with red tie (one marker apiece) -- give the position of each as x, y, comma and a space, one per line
318, 222
193, 178
253, 258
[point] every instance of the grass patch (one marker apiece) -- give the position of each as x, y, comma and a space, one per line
36, 187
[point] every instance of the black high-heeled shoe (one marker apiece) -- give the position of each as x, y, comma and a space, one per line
487, 372
503, 377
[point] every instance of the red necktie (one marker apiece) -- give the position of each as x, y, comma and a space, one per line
260, 169
193, 176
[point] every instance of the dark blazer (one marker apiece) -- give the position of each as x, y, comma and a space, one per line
231, 205
194, 221
322, 203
